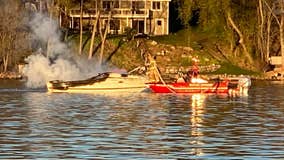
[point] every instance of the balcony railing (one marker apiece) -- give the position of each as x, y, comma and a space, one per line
116, 13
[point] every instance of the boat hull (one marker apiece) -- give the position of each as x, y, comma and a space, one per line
105, 83
99, 89
214, 87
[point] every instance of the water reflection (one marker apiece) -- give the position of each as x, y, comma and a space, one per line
196, 119
101, 122
142, 126
135, 118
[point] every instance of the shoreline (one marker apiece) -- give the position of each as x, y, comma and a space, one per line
18, 76
10, 76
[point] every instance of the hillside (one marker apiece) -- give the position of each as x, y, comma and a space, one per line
172, 53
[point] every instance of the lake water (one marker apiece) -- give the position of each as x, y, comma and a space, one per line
35, 124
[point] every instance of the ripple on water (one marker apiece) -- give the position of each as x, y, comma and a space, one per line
36, 124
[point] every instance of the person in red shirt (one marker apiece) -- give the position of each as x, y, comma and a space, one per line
195, 68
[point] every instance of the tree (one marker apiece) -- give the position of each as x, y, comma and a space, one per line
81, 27
267, 10
225, 20
241, 38
51, 12
103, 28
185, 9
281, 29
103, 34
94, 31
14, 35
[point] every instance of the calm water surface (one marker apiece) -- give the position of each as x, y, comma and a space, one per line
35, 124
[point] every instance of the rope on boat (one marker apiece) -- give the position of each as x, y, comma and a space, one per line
163, 80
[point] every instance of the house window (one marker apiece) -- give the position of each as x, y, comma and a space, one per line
114, 25
156, 5
110, 4
138, 5
125, 4
159, 22
106, 5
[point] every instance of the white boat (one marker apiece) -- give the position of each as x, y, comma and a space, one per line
103, 82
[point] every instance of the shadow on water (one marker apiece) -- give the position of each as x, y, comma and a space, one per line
17, 86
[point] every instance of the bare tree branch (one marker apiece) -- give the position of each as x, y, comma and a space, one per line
241, 39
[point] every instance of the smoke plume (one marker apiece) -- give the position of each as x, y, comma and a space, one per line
59, 63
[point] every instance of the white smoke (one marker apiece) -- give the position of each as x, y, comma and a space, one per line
39, 70
60, 63
46, 30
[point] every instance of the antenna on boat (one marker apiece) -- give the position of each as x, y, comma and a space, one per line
135, 69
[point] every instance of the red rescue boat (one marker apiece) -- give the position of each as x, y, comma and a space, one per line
219, 86
192, 83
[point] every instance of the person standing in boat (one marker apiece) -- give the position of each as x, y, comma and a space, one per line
153, 71
195, 68
193, 72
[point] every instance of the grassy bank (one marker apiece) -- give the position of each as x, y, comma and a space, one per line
204, 44
172, 50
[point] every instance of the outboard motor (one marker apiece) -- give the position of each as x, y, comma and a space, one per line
243, 85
